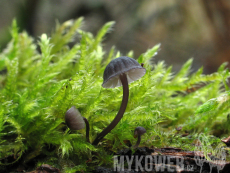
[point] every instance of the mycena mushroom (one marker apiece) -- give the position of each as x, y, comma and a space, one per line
75, 121
138, 132
120, 71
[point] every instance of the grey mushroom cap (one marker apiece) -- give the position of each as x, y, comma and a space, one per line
139, 130
120, 65
74, 120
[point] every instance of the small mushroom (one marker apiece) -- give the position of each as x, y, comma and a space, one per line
138, 132
75, 121
120, 71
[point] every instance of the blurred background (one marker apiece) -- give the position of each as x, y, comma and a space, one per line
198, 29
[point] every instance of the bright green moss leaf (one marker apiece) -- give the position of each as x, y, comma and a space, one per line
208, 106
213, 104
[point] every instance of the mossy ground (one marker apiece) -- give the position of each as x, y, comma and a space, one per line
41, 79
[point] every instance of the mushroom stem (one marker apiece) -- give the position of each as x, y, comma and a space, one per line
87, 129
120, 113
138, 142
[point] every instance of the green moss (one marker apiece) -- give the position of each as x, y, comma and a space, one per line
40, 80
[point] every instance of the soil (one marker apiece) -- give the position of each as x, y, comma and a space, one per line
165, 160
144, 159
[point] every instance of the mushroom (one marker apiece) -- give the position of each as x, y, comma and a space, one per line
120, 71
138, 132
75, 121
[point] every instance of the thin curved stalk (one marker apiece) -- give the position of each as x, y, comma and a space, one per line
138, 142
87, 129
120, 113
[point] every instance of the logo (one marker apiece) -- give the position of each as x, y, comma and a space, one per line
159, 163
204, 154
215, 157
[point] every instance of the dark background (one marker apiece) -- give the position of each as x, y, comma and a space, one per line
198, 29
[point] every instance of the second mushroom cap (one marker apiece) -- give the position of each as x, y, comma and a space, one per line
73, 119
